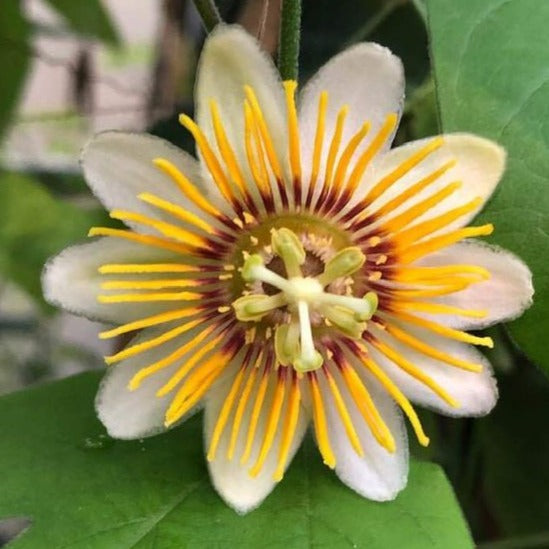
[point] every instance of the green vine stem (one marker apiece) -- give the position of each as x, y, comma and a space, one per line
288, 45
208, 12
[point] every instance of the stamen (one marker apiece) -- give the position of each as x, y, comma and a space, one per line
288, 431
252, 308
309, 358
288, 247
344, 320
286, 343
363, 308
320, 425
343, 263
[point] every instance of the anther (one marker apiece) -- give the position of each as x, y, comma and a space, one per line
344, 263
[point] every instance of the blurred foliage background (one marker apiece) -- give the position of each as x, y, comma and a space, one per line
71, 69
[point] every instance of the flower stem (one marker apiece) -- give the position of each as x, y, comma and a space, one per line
290, 33
208, 12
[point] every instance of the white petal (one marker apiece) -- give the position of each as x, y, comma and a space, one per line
476, 393
71, 279
480, 165
230, 60
119, 166
140, 413
379, 475
366, 77
505, 296
231, 479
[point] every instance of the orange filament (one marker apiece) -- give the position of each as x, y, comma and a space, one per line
148, 284
272, 423
319, 140
139, 268
145, 239
364, 160
148, 322
413, 371
426, 275
423, 248
320, 424
395, 392
438, 308
150, 297
289, 428
334, 147
293, 129
177, 211
367, 408
414, 189
186, 187
344, 414
169, 359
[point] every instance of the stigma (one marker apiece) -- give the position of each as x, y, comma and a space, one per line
303, 298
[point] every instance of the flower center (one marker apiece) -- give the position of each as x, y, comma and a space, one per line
302, 295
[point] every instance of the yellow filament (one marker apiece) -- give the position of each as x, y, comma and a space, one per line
429, 226
186, 187
429, 274
344, 414
416, 251
259, 168
363, 162
148, 284
138, 268
224, 414
320, 424
169, 359
415, 189
189, 365
174, 414
215, 169
226, 150
187, 238
271, 427
432, 352
293, 129
404, 168
451, 285
151, 343
288, 431
367, 408
399, 397
148, 322
256, 410
145, 298
264, 131
334, 147
242, 402
145, 239
396, 223
458, 335
319, 140
439, 308
414, 371
176, 211
348, 152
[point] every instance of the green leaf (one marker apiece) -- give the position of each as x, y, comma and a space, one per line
14, 58
83, 490
516, 453
34, 226
88, 18
490, 67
